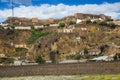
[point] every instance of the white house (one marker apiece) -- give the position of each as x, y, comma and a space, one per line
82, 52
19, 45
78, 39
66, 30
83, 29
51, 25
23, 28
78, 21
37, 27
94, 52
2, 55
3, 24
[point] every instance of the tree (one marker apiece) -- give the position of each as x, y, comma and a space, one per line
88, 21
32, 27
1, 28
103, 47
117, 56
103, 23
61, 25
39, 59
112, 25
6, 60
94, 22
47, 24
12, 27
71, 23
54, 56
86, 53
78, 56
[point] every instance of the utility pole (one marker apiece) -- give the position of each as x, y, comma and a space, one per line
12, 6
12, 2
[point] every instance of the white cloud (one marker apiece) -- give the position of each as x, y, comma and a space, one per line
58, 11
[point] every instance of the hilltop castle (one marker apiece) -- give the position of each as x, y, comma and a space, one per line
78, 17
92, 16
28, 22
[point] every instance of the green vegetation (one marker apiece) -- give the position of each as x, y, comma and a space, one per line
71, 22
39, 59
47, 24
85, 51
32, 27
94, 22
54, 56
102, 77
21, 51
103, 47
66, 77
36, 35
88, 21
61, 25
12, 27
76, 56
103, 23
1, 28
39, 29
110, 25
117, 56
6, 60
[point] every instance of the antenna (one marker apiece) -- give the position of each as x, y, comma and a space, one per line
12, 2
12, 6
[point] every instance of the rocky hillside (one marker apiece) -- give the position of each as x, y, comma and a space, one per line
51, 44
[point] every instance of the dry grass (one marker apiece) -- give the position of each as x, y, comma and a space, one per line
68, 77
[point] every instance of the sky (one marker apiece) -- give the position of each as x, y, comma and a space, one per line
44, 9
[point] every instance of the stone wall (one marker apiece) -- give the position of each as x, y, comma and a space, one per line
91, 16
62, 69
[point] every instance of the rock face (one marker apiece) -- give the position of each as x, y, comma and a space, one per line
117, 22
59, 43
10, 40
92, 16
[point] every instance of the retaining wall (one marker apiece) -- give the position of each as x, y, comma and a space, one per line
61, 69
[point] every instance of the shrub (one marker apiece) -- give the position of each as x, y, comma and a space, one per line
103, 23
21, 49
85, 51
1, 28
54, 56
117, 56
88, 21
71, 23
6, 60
61, 25
112, 25
103, 47
12, 27
32, 27
94, 22
39, 29
47, 24
20, 52
39, 60
36, 35
78, 56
